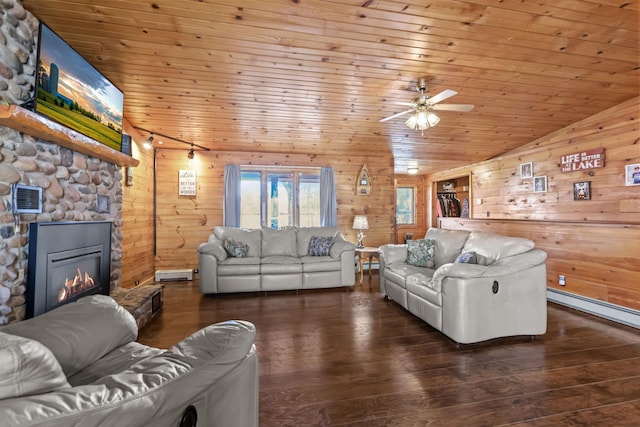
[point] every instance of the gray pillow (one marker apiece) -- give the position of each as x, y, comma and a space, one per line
467, 258
320, 246
234, 248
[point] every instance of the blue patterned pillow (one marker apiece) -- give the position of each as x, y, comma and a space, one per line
467, 258
421, 253
319, 246
235, 248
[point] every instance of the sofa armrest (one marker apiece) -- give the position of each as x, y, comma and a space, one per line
215, 248
339, 246
393, 254
502, 267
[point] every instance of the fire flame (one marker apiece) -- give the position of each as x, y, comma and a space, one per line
75, 286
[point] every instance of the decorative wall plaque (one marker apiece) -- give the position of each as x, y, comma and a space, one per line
583, 160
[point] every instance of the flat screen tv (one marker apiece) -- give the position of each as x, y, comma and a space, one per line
74, 93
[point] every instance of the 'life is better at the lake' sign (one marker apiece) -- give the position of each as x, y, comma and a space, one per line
582, 160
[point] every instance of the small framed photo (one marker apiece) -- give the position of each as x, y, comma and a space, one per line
582, 190
103, 204
632, 174
526, 170
539, 184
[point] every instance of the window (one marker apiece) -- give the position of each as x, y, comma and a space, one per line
279, 198
405, 205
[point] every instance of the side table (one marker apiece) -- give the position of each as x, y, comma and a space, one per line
368, 252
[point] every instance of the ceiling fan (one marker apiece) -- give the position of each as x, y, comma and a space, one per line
423, 106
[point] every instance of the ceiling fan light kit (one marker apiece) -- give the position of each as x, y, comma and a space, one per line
422, 106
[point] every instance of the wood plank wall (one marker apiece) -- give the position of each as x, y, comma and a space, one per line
186, 221
593, 242
138, 263
420, 190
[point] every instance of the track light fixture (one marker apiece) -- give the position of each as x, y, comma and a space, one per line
191, 153
151, 135
148, 144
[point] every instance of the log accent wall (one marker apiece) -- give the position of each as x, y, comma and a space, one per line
183, 222
137, 221
594, 243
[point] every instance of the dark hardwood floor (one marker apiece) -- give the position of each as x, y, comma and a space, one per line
332, 357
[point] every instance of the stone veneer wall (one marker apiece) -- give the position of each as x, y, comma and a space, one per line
70, 181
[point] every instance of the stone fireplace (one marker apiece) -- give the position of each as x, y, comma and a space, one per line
67, 261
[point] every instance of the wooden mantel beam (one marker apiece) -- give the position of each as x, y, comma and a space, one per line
30, 123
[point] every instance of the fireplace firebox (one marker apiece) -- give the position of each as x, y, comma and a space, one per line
67, 261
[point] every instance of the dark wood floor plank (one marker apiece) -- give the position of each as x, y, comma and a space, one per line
333, 357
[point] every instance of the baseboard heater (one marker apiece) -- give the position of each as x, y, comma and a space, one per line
171, 275
617, 313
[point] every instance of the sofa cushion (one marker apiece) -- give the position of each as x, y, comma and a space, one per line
81, 332
306, 233
449, 244
421, 253
491, 247
235, 248
320, 246
253, 238
467, 258
311, 264
398, 273
279, 242
27, 367
418, 284
239, 267
281, 267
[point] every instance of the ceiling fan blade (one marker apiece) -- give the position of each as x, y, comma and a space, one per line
452, 107
408, 104
396, 115
447, 93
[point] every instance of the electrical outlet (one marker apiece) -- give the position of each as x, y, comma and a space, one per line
488, 214
196, 271
137, 282
562, 280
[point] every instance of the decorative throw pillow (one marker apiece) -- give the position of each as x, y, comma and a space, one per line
421, 253
235, 248
319, 246
467, 258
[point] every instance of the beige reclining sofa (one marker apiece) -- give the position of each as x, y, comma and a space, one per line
80, 365
472, 286
251, 260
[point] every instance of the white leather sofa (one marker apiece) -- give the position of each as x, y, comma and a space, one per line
79, 365
502, 294
276, 260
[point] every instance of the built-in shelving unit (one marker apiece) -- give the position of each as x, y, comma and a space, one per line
30, 123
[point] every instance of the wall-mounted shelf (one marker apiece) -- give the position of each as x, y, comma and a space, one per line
25, 121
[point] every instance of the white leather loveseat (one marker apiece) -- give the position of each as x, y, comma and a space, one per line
79, 365
273, 260
501, 292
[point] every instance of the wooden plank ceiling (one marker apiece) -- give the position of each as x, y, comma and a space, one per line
311, 76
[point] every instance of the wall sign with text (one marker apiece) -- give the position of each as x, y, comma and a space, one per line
583, 160
187, 182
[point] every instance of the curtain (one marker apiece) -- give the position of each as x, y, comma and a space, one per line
328, 209
231, 196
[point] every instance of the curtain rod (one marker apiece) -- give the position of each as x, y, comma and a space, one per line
279, 167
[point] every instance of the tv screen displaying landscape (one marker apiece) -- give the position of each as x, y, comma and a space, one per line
73, 93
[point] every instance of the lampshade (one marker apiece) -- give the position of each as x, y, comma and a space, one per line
360, 222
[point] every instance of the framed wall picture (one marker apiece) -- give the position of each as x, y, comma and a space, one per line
526, 170
582, 190
632, 175
539, 184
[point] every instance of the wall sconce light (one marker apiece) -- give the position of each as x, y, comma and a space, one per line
191, 154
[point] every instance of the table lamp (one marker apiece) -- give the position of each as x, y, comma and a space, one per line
360, 223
